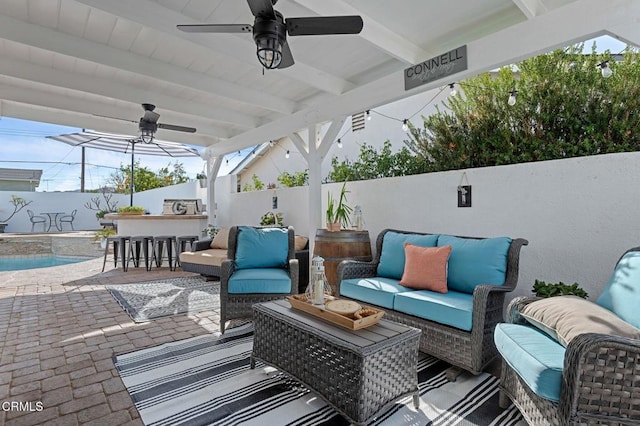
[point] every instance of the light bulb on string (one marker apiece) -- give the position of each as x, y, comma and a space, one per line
512, 97
453, 92
339, 143
405, 125
368, 115
604, 69
287, 154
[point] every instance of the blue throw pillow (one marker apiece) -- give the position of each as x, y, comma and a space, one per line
622, 294
261, 247
392, 256
474, 262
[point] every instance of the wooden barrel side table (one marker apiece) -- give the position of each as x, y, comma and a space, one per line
336, 246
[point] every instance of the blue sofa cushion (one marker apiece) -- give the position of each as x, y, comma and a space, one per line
622, 294
452, 308
261, 248
392, 255
378, 291
536, 357
259, 280
473, 262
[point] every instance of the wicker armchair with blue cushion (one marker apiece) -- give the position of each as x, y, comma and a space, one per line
261, 267
570, 361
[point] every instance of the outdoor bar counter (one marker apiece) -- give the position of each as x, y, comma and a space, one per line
159, 224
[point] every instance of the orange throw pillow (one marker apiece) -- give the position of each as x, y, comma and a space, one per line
425, 268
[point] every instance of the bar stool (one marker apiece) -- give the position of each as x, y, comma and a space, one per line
137, 243
182, 245
119, 245
183, 240
158, 250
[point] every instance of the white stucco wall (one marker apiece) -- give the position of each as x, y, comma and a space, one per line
579, 215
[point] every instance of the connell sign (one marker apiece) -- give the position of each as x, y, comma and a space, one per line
436, 68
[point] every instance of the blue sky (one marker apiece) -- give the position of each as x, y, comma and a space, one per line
23, 145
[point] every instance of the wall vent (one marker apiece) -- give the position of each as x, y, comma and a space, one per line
357, 121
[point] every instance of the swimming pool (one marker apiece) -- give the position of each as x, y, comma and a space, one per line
19, 263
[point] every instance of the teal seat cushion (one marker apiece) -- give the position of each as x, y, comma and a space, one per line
622, 294
261, 247
474, 262
378, 291
537, 358
260, 280
392, 255
452, 308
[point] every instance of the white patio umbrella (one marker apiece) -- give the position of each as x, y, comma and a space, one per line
126, 144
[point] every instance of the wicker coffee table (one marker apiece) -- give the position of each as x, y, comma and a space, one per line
359, 373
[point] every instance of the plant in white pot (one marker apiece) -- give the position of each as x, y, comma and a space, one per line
338, 212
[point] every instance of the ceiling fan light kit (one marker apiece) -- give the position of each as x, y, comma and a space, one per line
270, 31
270, 35
148, 124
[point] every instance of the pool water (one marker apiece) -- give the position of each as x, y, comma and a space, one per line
18, 263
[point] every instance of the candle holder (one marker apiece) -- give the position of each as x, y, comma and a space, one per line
318, 288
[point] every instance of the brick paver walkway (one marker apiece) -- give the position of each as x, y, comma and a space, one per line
59, 328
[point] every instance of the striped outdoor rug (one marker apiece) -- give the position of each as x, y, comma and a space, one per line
206, 380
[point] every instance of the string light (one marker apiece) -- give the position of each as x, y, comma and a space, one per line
287, 155
405, 125
453, 89
368, 115
512, 97
604, 69
339, 143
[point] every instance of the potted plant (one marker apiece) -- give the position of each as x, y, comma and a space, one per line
131, 210
203, 179
272, 219
543, 289
338, 213
102, 234
210, 231
18, 204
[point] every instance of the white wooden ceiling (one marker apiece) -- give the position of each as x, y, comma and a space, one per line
91, 63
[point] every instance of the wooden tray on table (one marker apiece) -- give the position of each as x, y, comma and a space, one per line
299, 302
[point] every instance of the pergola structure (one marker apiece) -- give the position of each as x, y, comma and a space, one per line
91, 63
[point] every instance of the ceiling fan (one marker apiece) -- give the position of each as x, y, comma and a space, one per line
270, 30
148, 124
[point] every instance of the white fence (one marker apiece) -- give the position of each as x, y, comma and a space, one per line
579, 214
66, 202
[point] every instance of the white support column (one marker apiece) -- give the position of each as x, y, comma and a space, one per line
314, 161
317, 152
213, 166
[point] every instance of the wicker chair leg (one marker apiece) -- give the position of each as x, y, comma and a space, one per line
503, 400
453, 372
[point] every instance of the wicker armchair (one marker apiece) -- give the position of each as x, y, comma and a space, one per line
469, 350
600, 380
238, 305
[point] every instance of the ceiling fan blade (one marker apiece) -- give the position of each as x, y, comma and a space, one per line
150, 116
262, 8
321, 25
176, 128
216, 28
287, 56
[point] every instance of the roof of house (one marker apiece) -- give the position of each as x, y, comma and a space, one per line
28, 175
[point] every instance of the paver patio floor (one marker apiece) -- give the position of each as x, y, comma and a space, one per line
60, 327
